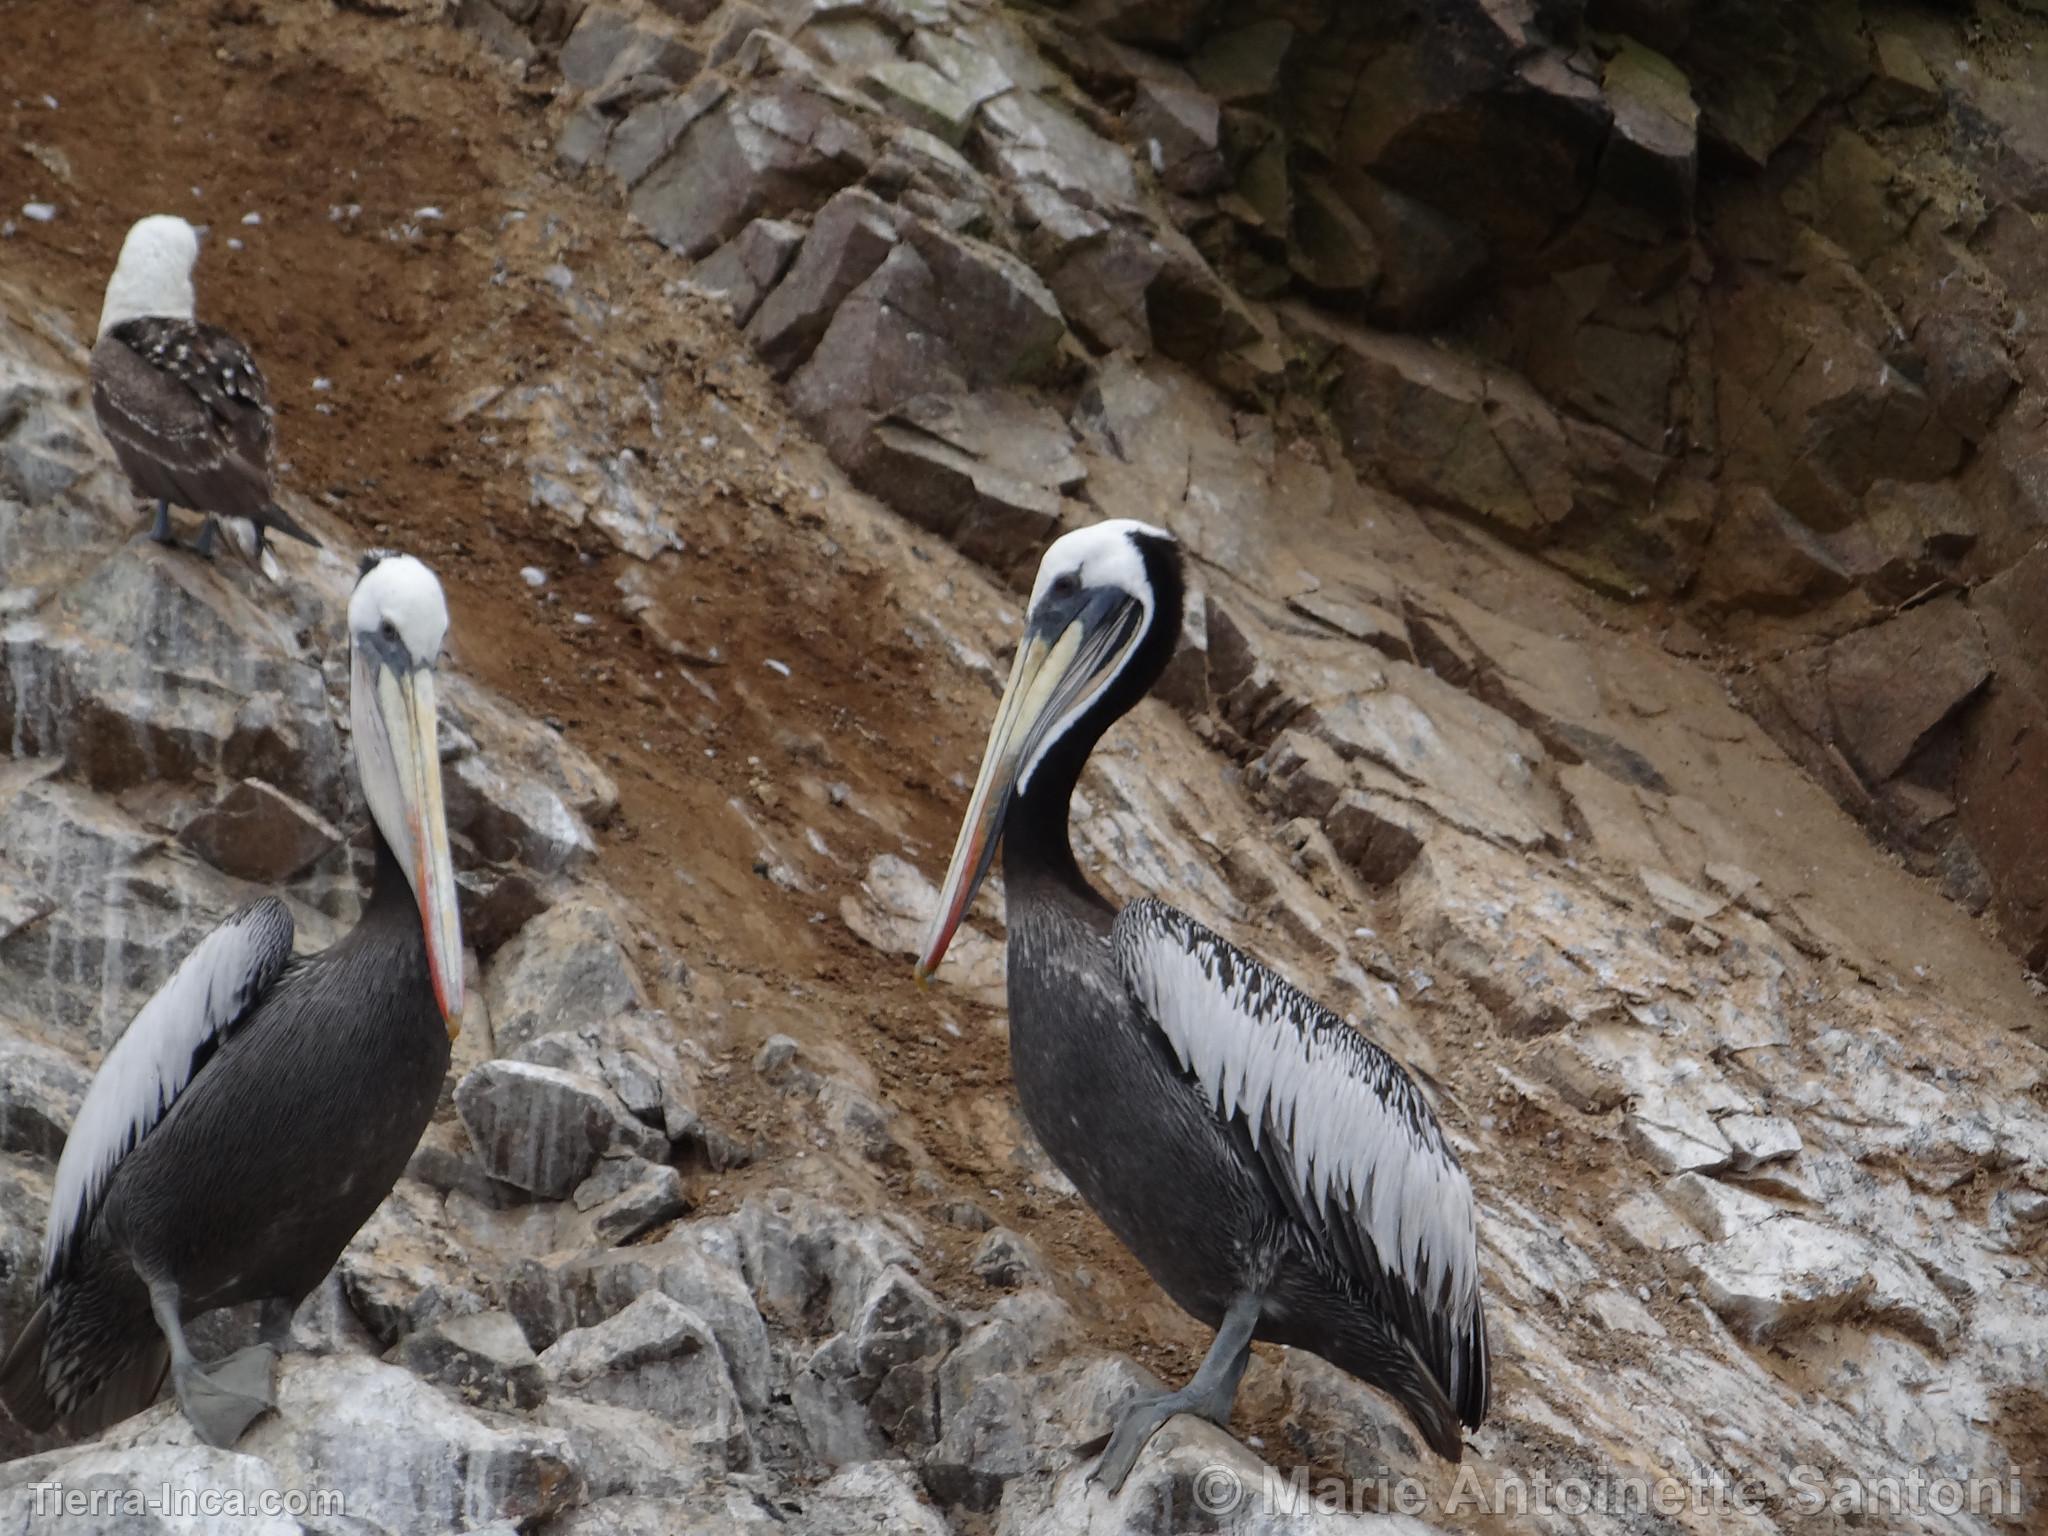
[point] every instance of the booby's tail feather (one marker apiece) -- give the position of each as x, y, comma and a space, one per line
276, 517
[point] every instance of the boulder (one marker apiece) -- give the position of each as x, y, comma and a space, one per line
565, 969
481, 1356
1178, 129
1450, 432
544, 1130
609, 44
259, 834
847, 241
922, 97
742, 271
778, 145
656, 1357
1890, 685
1763, 559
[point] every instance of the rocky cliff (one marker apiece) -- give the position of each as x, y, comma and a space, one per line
1604, 433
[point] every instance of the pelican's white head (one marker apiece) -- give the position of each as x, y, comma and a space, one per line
1105, 554
1104, 618
154, 275
397, 620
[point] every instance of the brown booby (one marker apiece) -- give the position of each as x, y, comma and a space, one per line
262, 1104
1275, 1171
182, 402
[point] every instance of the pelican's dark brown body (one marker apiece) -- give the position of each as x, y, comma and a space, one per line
272, 1158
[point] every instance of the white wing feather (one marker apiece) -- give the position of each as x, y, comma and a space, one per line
154, 1060
1328, 1106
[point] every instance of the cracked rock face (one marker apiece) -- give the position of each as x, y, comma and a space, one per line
1437, 348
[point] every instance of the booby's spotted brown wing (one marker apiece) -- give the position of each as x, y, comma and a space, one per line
188, 413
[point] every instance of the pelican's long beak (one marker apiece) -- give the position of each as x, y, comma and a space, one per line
1059, 670
405, 710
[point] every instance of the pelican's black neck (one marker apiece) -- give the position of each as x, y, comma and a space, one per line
1037, 847
389, 888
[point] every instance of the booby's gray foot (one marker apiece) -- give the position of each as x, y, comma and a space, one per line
274, 1323
204, 548
222, 1400
1209, 1395
160, 530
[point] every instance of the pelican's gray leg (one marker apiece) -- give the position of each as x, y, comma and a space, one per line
274, 1323
160, 530
1209, 1395
219, 1401
204, 548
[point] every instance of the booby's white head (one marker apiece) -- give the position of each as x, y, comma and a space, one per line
154, 275
1104, 618
397, 620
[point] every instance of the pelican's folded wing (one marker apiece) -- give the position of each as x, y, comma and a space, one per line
165, 1046
1340, 1126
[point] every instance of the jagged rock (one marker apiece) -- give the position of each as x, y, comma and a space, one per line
922, 97
1180, 131
895, 904
543, 1130
609, 45
495, 902
648, 123
1329, 246
985, 471
628, 1195
1762, 558
1969, 374
1893, 683
409, 1458
221, 690
1652, 162
941, 314
1808, 402
567, 968
868, 1496
624, 1452
848, 240
402, 1272
744, 269
1760, 71
519, 819
697, 1265
1244, 63
482, 1356
1033, 139
1006, 1260
1451, 433
1901, 88
1778, 1276
40, 1091
774, 147
637, 1055
259, 834
656, 1357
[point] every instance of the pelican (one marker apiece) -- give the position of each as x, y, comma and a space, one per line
181, 401
1278, 1174
261, 1104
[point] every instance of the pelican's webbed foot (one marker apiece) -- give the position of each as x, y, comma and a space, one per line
1209, 1395
222, 1400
